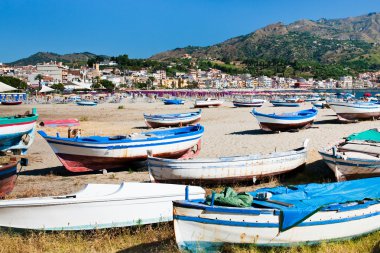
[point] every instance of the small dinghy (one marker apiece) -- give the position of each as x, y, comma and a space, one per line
80, 154
357, 156
60, 123
11, 102
96, 206
280, 216
354, 111
286, 121
87, 103
226, 169
174, 101
17, 132
320, 104
247, 101
208, 102
172, 120
285, 103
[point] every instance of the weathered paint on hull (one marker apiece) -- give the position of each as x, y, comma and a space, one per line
285, 127
7, 179
171, 124
358, 116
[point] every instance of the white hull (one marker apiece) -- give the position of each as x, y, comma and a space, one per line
97, 206
16, 129
207, 103
355, 111
263, 119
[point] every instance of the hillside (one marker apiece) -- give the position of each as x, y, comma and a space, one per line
324, 41
41, 57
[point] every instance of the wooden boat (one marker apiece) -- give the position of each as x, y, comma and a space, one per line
97, 206
60, 123
353, 111
208, 102
280, 216
174, 101
87, 103
11, 102
17, 132
8, 171
90, 153
284, 103
357, 156
286, 121
226, 169
170, 120
247, 101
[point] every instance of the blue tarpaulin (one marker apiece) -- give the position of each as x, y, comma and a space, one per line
305, 200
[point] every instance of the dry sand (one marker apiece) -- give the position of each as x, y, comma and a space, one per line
228, 131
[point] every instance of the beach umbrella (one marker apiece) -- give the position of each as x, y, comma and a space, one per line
45, 89
367, 94
5, 87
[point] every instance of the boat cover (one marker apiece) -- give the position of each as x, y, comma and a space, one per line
228, 197
372, 135
297, 203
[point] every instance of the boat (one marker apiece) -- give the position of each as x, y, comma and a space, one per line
80, 154
86, 103
280, 216
8, 171
320, 104
247, 101
17, 132
174, 101
226, 169
60, 123
208, 102
284, 103
286, 121
170, 120
11, 102
354, 111
97, 206
357, 156
313, 98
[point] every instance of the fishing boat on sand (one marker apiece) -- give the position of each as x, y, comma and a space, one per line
247, 101
286, 121
96, 206
17, 132
226, 169
86, 103
174, 101
80, 154
357, 156
285, 103
320, 104
11, 102
353, 111
279, 216
8, 171
60, 123
172, 120
208, 102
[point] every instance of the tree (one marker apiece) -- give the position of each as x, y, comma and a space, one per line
107, 84
150, 80
14, 82
39, 77
58, 86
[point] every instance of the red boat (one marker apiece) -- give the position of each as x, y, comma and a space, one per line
11, 102
8, 173
60, 123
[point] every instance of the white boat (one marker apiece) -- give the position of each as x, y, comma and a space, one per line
355, 156
226, 169
280, 216
96, 206
353, 111
321, 104
172, 120
208, 102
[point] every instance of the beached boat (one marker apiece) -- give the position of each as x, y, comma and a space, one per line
320, 104
11, 102
170, 120
86, 103
312, 98
285, 103
226, 169
353, 111
247, 101
17, 132
286, 121
356, 156
60, 123
280, 216
208, 102
8, 171
90, 153
174, 101
96, 206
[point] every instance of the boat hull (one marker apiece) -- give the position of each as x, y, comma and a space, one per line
285, 104
226, 169
201, 229
247, 104
97, 206
11, 103
205, 104
268, 123
172, 120
7, 178
352, 112
157, 124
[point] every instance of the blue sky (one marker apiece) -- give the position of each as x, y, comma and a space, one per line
142, 28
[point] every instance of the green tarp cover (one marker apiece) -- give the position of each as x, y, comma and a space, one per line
372, 135
228, 197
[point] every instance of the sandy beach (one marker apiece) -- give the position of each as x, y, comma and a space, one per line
229, 131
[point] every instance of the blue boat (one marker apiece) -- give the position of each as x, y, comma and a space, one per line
174, 101
284, 103
86, 103
279, 216
286, 121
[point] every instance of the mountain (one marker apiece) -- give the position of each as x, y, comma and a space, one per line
324, 41
41, 57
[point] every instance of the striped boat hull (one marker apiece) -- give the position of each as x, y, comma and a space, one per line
11, 134
352, 112
7, 178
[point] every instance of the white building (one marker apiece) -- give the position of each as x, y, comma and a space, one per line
265, 81
56, 71
346, 81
